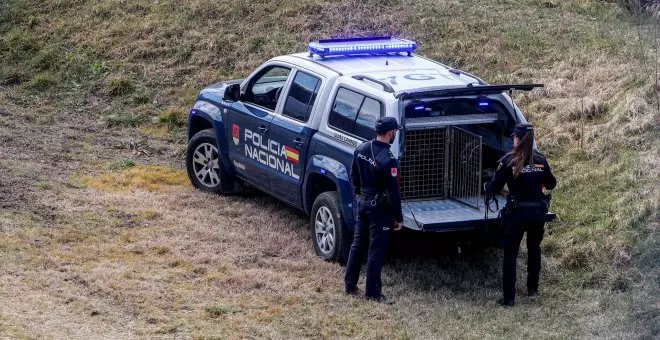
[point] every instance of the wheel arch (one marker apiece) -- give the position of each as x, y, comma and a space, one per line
327, 174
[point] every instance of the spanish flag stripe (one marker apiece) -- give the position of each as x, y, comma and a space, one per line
291, 154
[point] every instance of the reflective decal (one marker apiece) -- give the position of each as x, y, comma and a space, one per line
345, 139
418, 77
529, 168
239, 165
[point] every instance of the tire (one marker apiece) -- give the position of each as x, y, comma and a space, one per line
203, 162
327, 227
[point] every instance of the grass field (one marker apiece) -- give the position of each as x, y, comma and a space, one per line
101, 234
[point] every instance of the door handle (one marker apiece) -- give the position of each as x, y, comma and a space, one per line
262, 129
298, 142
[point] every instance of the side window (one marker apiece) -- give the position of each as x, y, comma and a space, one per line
366, 119
355, 114
345, 109
266, 87
301, 97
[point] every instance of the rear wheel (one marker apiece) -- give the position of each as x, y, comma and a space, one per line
327, 226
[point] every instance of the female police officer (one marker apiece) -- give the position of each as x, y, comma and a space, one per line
526, 172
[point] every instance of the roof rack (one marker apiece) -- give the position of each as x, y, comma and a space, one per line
365, 45
386, 87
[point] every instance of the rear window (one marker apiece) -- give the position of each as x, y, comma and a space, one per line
355, 114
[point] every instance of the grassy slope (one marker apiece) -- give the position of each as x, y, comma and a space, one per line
85, 82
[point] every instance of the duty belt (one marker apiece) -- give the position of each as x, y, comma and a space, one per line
514, 202
530, 204
373, 197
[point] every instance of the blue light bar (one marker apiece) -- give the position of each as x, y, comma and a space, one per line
368, 45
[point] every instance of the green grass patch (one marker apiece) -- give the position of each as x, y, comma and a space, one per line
217, 311
126, 119
121, 164
42, 82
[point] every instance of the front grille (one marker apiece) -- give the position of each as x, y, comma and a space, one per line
423, 164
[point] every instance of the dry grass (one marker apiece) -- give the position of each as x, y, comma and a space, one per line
198, 265
102, 236
140, 177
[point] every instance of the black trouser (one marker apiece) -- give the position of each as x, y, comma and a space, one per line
517, 222
372, 231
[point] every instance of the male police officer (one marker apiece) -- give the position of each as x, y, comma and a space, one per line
526, 172
374, 175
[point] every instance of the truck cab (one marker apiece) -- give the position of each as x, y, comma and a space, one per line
291, 127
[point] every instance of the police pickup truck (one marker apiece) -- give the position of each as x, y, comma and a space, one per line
290, 129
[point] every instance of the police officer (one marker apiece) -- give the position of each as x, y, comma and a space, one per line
375, 178
526, 172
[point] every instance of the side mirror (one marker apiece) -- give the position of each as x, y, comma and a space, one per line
232, 92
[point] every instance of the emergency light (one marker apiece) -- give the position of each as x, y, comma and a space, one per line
483, 102
367, 45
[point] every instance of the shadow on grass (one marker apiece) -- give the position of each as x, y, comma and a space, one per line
443, 261
423, 261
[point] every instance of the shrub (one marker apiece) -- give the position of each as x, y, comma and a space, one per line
120, 86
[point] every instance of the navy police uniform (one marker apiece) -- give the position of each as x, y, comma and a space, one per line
374, 175
524, 212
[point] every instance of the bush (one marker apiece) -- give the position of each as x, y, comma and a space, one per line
120, 86
173, 118
46, 59
11, 76
42, 81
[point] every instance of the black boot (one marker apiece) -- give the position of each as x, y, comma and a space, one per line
506, 302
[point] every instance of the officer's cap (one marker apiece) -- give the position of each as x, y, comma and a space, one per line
521, 130
386, 124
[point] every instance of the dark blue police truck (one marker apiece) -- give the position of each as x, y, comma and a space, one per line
290, 129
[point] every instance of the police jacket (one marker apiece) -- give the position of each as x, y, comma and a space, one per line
374, 172
528, 186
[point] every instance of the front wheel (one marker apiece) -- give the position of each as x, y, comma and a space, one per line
326, 225
204, 166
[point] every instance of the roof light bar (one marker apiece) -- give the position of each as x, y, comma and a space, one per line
367, 45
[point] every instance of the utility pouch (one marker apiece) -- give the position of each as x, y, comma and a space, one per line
382, 200
511, 203
546, 201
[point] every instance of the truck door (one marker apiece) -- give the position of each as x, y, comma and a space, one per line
249, 125
291, 135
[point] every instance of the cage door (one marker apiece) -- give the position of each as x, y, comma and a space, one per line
465, 167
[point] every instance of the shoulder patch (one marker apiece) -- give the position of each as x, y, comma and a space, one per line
394, 172
389, 153
500, 166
